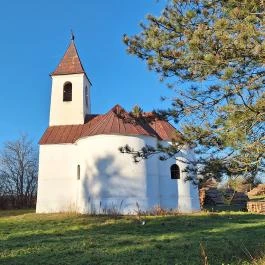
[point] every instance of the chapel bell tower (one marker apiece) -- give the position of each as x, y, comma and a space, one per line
70, 96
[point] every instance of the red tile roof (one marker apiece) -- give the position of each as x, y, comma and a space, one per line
70, 63
116, 121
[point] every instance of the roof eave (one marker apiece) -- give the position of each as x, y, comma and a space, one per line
75, 73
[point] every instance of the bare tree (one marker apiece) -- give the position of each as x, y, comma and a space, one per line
18, 172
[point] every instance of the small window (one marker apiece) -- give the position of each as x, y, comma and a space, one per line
86, 96
78, 172
175, 172
67, 92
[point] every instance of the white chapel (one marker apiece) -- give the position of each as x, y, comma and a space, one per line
80, 166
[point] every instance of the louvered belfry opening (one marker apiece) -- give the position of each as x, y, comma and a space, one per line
67, 91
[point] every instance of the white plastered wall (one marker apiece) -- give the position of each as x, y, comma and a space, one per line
57, 182
188, 192
109, 180
179, 194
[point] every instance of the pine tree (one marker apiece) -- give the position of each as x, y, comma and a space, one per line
212, 54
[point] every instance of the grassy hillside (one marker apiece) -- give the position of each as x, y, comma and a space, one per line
226, 238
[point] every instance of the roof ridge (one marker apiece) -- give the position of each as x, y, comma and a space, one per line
145, 124
99, 124
109, 124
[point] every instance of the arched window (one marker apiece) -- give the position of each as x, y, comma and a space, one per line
175, 172
67, 92
78, 172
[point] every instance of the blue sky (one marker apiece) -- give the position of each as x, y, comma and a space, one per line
34, 37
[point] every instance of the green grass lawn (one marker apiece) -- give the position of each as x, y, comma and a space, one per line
227, 238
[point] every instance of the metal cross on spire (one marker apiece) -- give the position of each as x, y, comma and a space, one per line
72, 36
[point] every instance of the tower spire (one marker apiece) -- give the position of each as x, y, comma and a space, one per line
70, 63
70, 100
